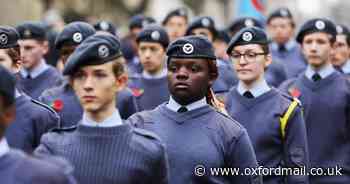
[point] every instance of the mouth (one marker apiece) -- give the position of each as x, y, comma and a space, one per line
181, 85
89, 98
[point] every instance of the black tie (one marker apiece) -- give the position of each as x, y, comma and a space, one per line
316, 77
282, 48
28, 76
182, 109
339, 69
248, 94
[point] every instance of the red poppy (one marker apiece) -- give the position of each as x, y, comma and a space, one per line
57, 105
137, 92
295, 92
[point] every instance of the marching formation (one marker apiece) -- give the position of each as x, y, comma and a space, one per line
172, 97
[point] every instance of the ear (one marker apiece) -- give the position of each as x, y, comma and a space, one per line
121, 82
268, 60
16, 66
45, 46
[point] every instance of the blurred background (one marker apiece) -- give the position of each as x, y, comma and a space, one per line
59, 12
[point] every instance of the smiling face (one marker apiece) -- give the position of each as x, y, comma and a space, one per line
317, 49
96, 86
251, 67
189, 79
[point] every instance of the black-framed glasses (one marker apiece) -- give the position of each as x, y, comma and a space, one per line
248, 56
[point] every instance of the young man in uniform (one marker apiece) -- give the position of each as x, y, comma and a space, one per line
340, 57
16, 166
101, 147
283, 47
196, 135
325, 96
33, 119
278, 134
151, 87
36, 75
175, 23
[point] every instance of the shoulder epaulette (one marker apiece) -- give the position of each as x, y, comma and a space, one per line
64, 129
146, 133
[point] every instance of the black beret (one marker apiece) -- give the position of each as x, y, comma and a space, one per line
139, 21
106, 26
243, 22
7, 85
202, 22
191, 47
31, 30
223, 35
95, 50
317, 25
8, 37
74, 33
153, 33
342, 29
248, 35
180, 12
280, 12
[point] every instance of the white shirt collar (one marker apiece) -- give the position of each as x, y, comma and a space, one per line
17, 93
289, 45
346, 67
114, 120
4, 147
35, 72
162, 74
258, 88
324, 72
174, 106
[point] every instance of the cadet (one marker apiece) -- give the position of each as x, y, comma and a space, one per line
16, 166
278, 134
205, 26
283, 47
124, 154
36, 75
340, 58
105, 26
175, 23
62, 97
33, 119
129, 45
197, 135
275, 74
325, 95
151, 87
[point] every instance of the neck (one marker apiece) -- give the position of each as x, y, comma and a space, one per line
102, 114
319, 67
36, 64
250, 84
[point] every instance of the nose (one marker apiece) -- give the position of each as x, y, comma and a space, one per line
241, 60
88, 84
182, 73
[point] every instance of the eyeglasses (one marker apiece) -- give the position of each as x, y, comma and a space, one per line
248, 56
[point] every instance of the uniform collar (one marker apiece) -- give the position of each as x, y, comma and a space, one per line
324, 72
289, 45
258, 88
112, 121
346, 67
162, 74
35, 72
174, 106
17, 93
4, 147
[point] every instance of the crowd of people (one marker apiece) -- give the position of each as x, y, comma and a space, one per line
152, 106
